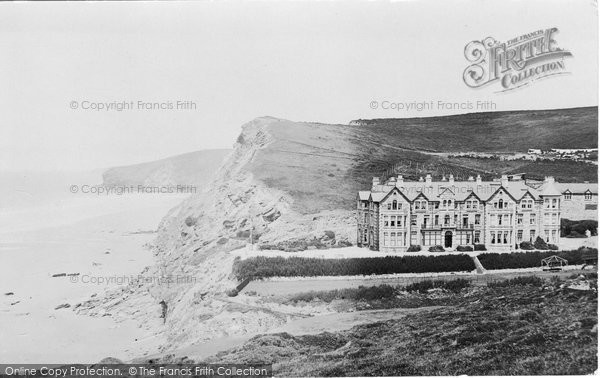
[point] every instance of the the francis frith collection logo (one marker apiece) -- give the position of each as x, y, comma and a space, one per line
516, 62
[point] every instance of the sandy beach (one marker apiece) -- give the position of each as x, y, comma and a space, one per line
98, 242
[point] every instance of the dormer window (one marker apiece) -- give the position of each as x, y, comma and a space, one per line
567, 195
587, 195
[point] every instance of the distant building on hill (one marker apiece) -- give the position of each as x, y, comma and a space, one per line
499, 214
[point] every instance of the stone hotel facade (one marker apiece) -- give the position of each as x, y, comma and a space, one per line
499, 214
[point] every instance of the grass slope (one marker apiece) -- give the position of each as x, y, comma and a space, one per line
512, 330
323, 166
512, 131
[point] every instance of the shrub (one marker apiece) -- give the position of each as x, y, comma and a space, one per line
261, 267
454, 286
527, 246
189, 221
519, 260
464, 248
552, 247
414, 248
577, 228
518, 281
457, 285
480, 247
437, 248
539, 243
575, 234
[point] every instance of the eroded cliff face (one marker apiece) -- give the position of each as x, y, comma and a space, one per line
193, 271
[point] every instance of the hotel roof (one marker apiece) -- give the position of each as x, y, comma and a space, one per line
462, 190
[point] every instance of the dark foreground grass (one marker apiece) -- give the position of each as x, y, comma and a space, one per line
365, 293
518, 329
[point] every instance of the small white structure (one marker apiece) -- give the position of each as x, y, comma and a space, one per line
554, 263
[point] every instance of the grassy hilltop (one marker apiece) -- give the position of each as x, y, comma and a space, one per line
511, 131
323, 166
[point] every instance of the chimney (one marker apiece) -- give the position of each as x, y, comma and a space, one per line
375, 182
478, 179
451, 179
421, 179
471, 178
399, 180
504, 180
549, 179
428, 180
443, 177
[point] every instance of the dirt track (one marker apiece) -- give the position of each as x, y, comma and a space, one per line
286, 287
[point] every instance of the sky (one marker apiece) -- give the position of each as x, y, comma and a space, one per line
235, 61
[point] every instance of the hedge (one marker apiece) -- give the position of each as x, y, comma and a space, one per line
262, 267
519, 260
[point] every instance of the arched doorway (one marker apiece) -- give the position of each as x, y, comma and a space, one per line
448, 239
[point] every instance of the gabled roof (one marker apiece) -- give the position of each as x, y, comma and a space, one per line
577, 187
549, 189
394, 190
501, 188
363, 195
484, 190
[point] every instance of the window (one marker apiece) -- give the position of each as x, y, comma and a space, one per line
500, 204
395, 205
493, 238
386, 238
499, 220
476, 237
413, 220
547, 235
477, 218
554, 235
567, 195
436, 220
446, 220
554, 203
393, 221
389, 206
519, 236
393, 239
588, 195
531, 235
386, 221
519, 218
506, 238
526, 204
468, 238
531, 218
